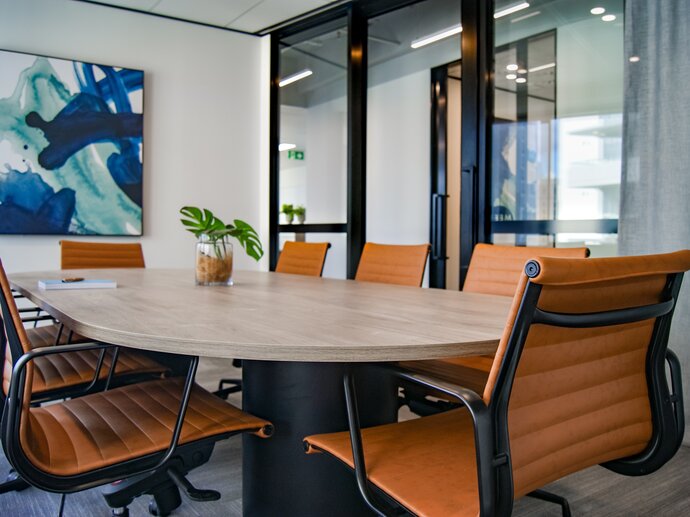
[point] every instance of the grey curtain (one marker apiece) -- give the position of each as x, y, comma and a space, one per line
655, 190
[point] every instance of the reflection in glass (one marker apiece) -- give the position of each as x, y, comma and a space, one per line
313, 122
557, 132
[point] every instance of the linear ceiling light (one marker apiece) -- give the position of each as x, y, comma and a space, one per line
542, 67
432, 38
295, 77
510, 10
286, 147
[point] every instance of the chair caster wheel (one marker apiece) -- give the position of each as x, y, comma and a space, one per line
120, 512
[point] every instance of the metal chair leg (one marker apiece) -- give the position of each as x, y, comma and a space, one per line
543, 495
13, 483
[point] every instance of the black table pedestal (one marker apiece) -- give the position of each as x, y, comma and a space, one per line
302, 399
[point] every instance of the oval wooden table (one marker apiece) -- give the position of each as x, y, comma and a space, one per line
297, 336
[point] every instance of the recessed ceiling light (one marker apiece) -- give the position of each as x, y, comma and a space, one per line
511, 76
432, 38
522, 71
542, 67
597, 10
295, 77
634, 59
512, 9
520, 80
608, 17
286, 147
512, 67
525, 16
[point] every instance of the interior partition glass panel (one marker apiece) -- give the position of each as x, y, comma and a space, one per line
404, 46
557, 132
313, 126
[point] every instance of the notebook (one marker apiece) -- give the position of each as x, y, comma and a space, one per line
79, 284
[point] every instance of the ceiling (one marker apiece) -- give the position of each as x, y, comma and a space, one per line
243, 15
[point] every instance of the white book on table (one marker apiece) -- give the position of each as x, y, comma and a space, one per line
79, 284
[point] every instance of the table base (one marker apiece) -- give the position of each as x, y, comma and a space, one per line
302, 399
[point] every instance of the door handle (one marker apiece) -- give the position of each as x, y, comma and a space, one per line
437, 201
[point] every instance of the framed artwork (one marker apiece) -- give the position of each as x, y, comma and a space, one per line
71, 147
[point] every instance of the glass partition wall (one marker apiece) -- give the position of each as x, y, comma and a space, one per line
312, 147
557, 129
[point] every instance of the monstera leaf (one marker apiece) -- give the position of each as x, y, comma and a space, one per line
201, 221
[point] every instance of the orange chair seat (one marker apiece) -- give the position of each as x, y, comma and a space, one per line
427, 464
111, 427
469, 372
45, 336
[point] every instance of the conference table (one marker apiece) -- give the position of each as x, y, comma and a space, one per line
297, 336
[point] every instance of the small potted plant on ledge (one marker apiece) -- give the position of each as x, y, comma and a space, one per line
300, 213
288, 211
213, 249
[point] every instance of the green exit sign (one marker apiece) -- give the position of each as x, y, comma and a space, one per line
295, 155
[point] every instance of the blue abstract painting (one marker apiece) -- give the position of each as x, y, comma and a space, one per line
71, 145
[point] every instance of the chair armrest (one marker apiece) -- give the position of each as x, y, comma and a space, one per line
14, 401
484, 434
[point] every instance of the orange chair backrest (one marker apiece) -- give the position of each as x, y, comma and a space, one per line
12, 322
497, 269
97, 255
580, 395
303, 258
393, 264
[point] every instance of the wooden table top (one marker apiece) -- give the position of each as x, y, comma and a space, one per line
273, 316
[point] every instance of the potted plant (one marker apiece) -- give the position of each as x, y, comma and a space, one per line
300, 213
213, 249
289, 211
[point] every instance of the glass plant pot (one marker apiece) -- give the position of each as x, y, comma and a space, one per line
213, 262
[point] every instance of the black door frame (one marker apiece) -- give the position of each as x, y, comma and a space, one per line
477, 105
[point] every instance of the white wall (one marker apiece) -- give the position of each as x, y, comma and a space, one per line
398, 181
205, 117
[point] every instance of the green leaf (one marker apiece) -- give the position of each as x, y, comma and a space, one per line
203, 222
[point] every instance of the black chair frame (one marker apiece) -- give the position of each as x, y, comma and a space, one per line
494, 469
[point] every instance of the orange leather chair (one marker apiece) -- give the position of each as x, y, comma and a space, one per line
303, 258
163, 428
492, 270
100, 255
392, 264
579, 379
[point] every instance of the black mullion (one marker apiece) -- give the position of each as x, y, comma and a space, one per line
274, 161
477, 113
356, 137
439, 162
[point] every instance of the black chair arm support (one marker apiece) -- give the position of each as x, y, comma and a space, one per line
483, 432
13, 409
676, 394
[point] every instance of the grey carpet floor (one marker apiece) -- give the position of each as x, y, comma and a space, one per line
594, 492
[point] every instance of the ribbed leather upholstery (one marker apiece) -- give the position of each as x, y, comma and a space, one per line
492, 270
497, 269
392, 264
96, 255
302, 258
579, 397
106, 428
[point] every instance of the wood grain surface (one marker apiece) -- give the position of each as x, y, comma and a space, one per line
273, 316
